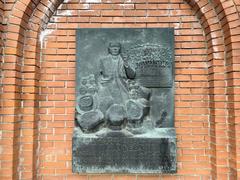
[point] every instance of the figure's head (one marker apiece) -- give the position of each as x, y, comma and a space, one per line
134, 94
91, 79
114, 48
84, 80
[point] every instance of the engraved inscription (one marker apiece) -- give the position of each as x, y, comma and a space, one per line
127, 154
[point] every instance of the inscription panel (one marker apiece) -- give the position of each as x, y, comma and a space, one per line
132, 155
124, 113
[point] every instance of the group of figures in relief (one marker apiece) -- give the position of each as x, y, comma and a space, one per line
112, 98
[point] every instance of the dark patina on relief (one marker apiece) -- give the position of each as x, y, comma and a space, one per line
125, 101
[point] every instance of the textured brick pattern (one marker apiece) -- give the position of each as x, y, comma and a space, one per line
38, 80
1, 88
58, 78
1, 29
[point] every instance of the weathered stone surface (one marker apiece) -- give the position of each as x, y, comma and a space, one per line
135, 113
86, 103
90, 120
125, 154
115, 116
125, 103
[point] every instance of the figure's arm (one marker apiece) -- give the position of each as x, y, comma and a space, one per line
101, 68
77, 105
130, 72
102, 74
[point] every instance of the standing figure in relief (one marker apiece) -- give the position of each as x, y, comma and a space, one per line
114, 72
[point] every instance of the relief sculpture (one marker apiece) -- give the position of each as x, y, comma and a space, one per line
114, 98
124, 102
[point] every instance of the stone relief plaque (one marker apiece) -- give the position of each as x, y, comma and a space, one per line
124, 117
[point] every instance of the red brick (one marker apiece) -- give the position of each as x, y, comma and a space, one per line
125, 177
202, 84
100, 177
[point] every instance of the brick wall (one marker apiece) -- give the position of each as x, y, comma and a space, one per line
1, 28
39, 83
57, 79
1, 49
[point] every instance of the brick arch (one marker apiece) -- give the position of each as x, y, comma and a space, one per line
31, 54
11, 74
208, 29
230, 20
37, 23
14, 81
214, 39
220, 140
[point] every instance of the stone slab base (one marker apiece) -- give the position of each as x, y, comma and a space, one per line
121, 154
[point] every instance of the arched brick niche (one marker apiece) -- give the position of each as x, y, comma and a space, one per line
39, 71
1, 26
57, 77
1, 34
